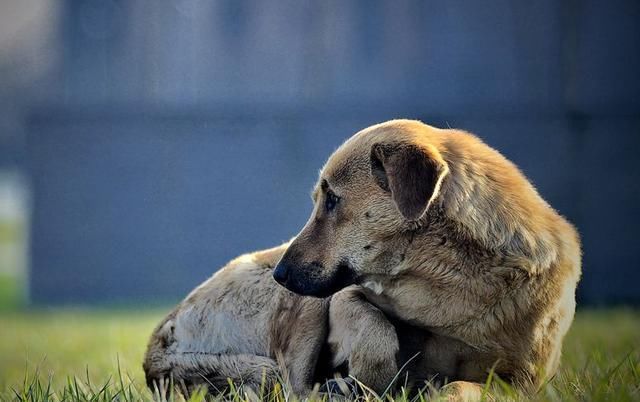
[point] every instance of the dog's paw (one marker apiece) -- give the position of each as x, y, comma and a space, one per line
463, 391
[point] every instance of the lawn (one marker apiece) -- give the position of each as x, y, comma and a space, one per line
73, 354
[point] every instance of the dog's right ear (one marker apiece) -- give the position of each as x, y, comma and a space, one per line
411, 173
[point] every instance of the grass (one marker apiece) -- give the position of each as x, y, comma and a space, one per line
11, 291
87, 355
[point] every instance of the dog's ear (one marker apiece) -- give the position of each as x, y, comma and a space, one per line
411, 173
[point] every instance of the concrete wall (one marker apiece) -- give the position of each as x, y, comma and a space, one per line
173, 137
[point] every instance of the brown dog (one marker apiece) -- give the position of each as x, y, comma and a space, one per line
441, 233
450, 253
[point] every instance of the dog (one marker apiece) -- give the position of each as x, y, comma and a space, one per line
427, 251
433, 229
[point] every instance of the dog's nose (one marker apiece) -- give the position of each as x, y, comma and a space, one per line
281, 273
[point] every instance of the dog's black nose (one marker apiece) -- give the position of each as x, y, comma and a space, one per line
281, 273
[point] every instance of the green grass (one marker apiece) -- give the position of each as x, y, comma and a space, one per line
82, 355
11, 294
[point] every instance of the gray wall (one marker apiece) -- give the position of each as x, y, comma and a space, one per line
172, 137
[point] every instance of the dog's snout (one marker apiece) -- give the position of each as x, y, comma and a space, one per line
281, 273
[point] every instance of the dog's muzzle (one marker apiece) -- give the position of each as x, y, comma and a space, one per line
313, 279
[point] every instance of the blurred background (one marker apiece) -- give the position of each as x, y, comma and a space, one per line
143, 144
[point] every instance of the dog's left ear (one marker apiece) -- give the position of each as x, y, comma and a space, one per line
411, 173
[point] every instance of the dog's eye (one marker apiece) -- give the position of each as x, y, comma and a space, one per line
331, 201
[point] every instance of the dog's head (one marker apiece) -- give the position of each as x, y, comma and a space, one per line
369, 194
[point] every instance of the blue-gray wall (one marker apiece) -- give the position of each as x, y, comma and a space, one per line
173, 137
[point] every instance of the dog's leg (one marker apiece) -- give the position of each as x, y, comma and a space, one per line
297, 337
214, 371
361, 335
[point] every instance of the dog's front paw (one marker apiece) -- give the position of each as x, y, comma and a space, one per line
463, 391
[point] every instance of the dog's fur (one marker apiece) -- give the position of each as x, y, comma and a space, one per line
441, 232
435, 244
